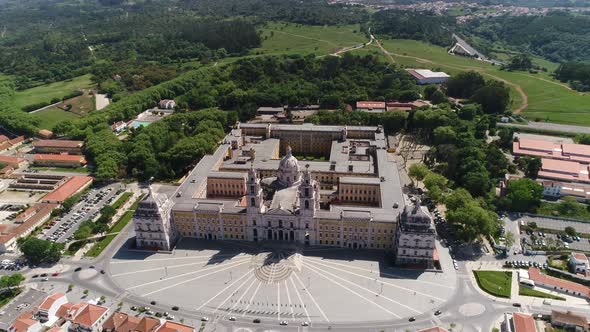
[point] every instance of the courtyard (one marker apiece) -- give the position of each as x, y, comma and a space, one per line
317, 285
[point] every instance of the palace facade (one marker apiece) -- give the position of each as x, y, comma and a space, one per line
306, 184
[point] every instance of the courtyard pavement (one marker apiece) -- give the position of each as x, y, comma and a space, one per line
316, 285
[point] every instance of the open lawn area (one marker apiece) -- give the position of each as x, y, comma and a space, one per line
290, 38
497, 283
527, 291
45, 93
52, 116
83, 170
538, 95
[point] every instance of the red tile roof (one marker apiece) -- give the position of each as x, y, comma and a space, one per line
69, 188
564, 170
538, 277
23, 324
553, 150
3, 138
56, 143
64, 310
147, 324
523, 322
90, 315
39, 211
370, 104
169, 326
568, 318
50, 300
580, 256
10, 160
60, 157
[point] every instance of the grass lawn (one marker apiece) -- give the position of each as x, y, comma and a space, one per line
83, 170
550, 209
547, 98
48, 118
281, 38
121, 200
496, 283
102, 244
80, 105
44, 93
527, 291
7, 296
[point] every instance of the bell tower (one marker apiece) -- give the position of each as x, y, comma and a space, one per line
308, 195
254, 200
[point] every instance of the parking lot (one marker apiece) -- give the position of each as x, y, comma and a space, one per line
540, 238
63, 227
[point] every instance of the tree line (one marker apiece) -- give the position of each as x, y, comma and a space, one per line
424, 26
577, 74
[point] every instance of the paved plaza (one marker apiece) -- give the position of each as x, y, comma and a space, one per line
318, 285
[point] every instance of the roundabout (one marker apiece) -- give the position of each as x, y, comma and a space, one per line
316, 285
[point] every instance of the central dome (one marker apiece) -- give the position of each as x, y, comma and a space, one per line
289, 174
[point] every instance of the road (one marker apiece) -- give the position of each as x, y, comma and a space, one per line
549, 127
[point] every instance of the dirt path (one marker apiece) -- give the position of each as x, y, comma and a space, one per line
525, 100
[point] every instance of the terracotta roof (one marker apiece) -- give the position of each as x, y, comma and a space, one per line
434, 329
523, 322
370, 104
17, 140
60, 157
169, 326
580, 256
41, 211
90, 315
64, 310
5, 145
3, 138
50, 300
568, 318
147, 324
55, 143
562, 166
579, 149
45, 133
538, 277
74, 184
54, 329
115, 321
10, 160
23, 324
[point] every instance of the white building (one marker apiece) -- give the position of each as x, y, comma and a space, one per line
427, 76
47, 311
579, 263
166, 104
415, 237
152, 223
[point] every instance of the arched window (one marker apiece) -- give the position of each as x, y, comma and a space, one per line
252, 202
306, 204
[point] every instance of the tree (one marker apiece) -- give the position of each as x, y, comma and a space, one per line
520, 62
569, 230
41, 251
418, 171
494, 97
438, 97
457, 199
464, 84
532, 166
472, 220
444, 135
436, 184
506, 135
524, 195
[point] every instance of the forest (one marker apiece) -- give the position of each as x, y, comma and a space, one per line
166, 150
557, 36
577, 74
69, 38
423, 26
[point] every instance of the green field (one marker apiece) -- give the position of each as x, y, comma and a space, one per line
52, 116
45, 93
527, 291
547, 98
496, 283
281, 38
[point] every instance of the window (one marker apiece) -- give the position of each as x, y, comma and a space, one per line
306, 204
252, 202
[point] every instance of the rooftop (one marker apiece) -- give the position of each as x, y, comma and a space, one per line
90, 315
523, 322
568, 317
538, 277
58, 143
59, 157
69, 188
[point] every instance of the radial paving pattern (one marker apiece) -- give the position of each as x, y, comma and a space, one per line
317, 285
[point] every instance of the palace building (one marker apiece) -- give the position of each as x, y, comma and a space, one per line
303, 184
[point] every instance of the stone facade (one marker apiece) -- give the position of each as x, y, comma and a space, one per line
415, 237
153, 229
